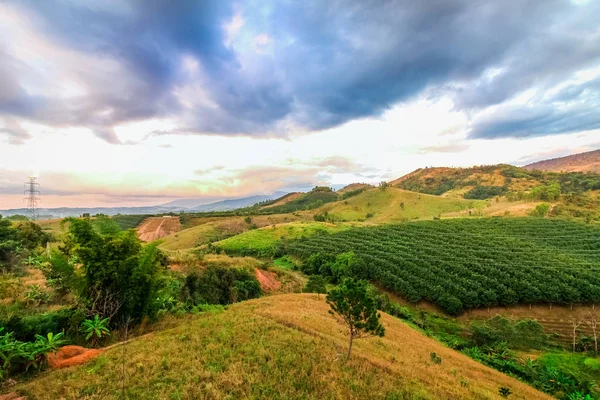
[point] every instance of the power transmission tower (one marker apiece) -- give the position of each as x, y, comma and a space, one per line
32, 191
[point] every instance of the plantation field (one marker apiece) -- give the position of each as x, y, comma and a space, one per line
278, 347
263, 242
395, 205
129, 221
464, 264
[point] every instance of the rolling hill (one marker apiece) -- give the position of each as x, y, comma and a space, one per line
278, 347
582, 162
488, 181
394, 205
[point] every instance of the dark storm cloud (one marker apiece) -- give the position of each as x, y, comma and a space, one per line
326, 63
573, 108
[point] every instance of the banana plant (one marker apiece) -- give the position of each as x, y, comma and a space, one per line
95, 329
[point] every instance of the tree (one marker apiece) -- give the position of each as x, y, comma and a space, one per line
9, 243
356, 309
540, 210
594, 323
315, 284
121, 277
383, 185
31, 235
576, 321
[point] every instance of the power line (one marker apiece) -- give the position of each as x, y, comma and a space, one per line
32, 192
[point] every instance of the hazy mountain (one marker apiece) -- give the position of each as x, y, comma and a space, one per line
232, 204
582, 162
198, 205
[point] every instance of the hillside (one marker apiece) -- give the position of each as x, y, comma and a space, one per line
393, 205
488, 181
157, 227
582, 162
278, 347
205, 230
354, 187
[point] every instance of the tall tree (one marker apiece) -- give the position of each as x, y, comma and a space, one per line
356, 309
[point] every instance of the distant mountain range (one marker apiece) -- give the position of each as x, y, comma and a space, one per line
188, 205
582, 162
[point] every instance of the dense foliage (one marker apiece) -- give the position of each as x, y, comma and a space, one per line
21, 356
469, 263
120, 276
18, 240
485, 192
219, 285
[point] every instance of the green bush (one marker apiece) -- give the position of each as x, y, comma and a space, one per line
121, 277
18, 356
485, 192
25, 327
219, 285
541, 210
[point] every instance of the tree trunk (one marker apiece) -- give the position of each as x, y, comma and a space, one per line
349, 347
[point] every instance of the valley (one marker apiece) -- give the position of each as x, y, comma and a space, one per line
450, 254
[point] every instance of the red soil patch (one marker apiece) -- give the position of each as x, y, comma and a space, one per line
154, 228
68, 356
12, 396
268, 280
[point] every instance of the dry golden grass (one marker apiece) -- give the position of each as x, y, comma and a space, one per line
53, 226
278, 347
154, 228
286, 199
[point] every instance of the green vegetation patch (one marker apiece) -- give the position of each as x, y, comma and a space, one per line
263, 242
469, 263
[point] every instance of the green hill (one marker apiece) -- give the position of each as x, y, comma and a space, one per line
279, 347
394, 205
493, 180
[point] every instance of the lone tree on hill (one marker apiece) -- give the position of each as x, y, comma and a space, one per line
354, 307
315, 284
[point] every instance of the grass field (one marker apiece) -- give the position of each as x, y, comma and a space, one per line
395, 205
52, 226
206, 230
262, 242
279, 347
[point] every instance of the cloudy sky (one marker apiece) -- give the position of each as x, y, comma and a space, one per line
140, 102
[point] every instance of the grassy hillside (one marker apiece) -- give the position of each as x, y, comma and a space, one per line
207, 230
279, 347
492, 180
263, 242
394, 205
463, 264
582, 162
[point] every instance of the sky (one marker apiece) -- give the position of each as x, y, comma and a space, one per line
139, 102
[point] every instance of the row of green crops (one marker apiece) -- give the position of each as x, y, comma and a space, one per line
469, 263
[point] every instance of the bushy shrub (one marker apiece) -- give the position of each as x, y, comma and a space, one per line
18, 356
219, 285
121, 277
25, 327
